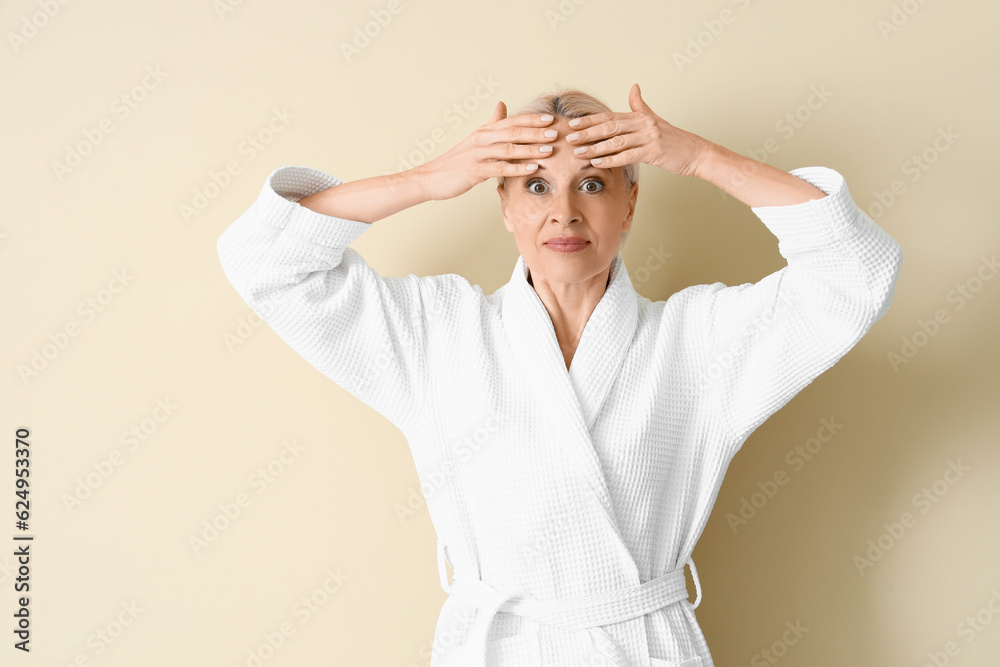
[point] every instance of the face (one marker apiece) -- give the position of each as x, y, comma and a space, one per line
567, 197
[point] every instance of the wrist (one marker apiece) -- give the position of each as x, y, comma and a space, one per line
418, 179
710, 160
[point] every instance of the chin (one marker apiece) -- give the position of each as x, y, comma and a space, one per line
569, 269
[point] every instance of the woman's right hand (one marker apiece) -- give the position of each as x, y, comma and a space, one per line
487, 153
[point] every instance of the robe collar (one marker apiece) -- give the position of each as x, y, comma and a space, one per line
572, 398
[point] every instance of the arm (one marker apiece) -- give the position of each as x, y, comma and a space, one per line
753, 183
768, 340
760, 344
370, 199
288, 257
292, 265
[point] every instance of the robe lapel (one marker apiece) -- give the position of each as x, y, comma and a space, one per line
606, 338
571, 399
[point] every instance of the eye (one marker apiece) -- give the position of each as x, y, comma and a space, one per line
531, 183
539, 181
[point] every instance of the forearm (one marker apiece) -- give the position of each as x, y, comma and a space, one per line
369, 199
753, 183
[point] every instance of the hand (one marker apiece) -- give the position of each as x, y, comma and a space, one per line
486, 153
641, 136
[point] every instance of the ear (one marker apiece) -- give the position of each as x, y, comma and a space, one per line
503, 207
633, 195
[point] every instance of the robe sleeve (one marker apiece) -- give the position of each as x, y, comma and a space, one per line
768, 340
293, 267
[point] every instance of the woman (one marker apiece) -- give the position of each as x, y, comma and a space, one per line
570, 435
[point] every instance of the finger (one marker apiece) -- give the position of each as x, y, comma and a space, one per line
520, 128
620, 159
612, 124
498, 168
509, 151
523, 120
617, 151
635, 101
499, 113
525, 132
590, 120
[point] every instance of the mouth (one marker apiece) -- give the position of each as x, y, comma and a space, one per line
566, 244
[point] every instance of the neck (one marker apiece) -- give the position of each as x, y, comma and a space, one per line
570, 305
606, 284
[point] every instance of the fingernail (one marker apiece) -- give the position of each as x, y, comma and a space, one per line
551, 133
575, 122
545, 149
573, 137
546, 118
579, 150
531, 167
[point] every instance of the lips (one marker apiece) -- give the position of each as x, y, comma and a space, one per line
567, 241
566, 244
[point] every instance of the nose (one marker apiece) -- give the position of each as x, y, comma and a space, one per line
564, 207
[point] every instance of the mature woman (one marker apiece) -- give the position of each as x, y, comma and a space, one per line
570, 435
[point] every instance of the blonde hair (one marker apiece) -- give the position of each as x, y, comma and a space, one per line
572, 103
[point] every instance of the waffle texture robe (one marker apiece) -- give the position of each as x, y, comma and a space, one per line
567, 501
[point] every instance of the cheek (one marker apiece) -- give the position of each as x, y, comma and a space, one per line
528, 208
526, 216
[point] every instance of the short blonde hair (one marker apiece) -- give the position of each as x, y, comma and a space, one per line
573, 103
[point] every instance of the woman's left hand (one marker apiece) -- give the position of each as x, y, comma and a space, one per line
640, 136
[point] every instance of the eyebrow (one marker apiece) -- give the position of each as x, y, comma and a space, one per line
586, 167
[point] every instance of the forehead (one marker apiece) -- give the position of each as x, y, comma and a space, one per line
562, 161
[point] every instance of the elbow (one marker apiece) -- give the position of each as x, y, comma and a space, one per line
222, 250
845, 310
229, 259
884, 285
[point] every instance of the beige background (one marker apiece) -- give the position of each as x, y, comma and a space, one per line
162, 335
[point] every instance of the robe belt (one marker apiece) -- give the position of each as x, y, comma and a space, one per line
575, 614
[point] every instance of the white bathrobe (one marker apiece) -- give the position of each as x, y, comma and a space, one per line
566, 501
